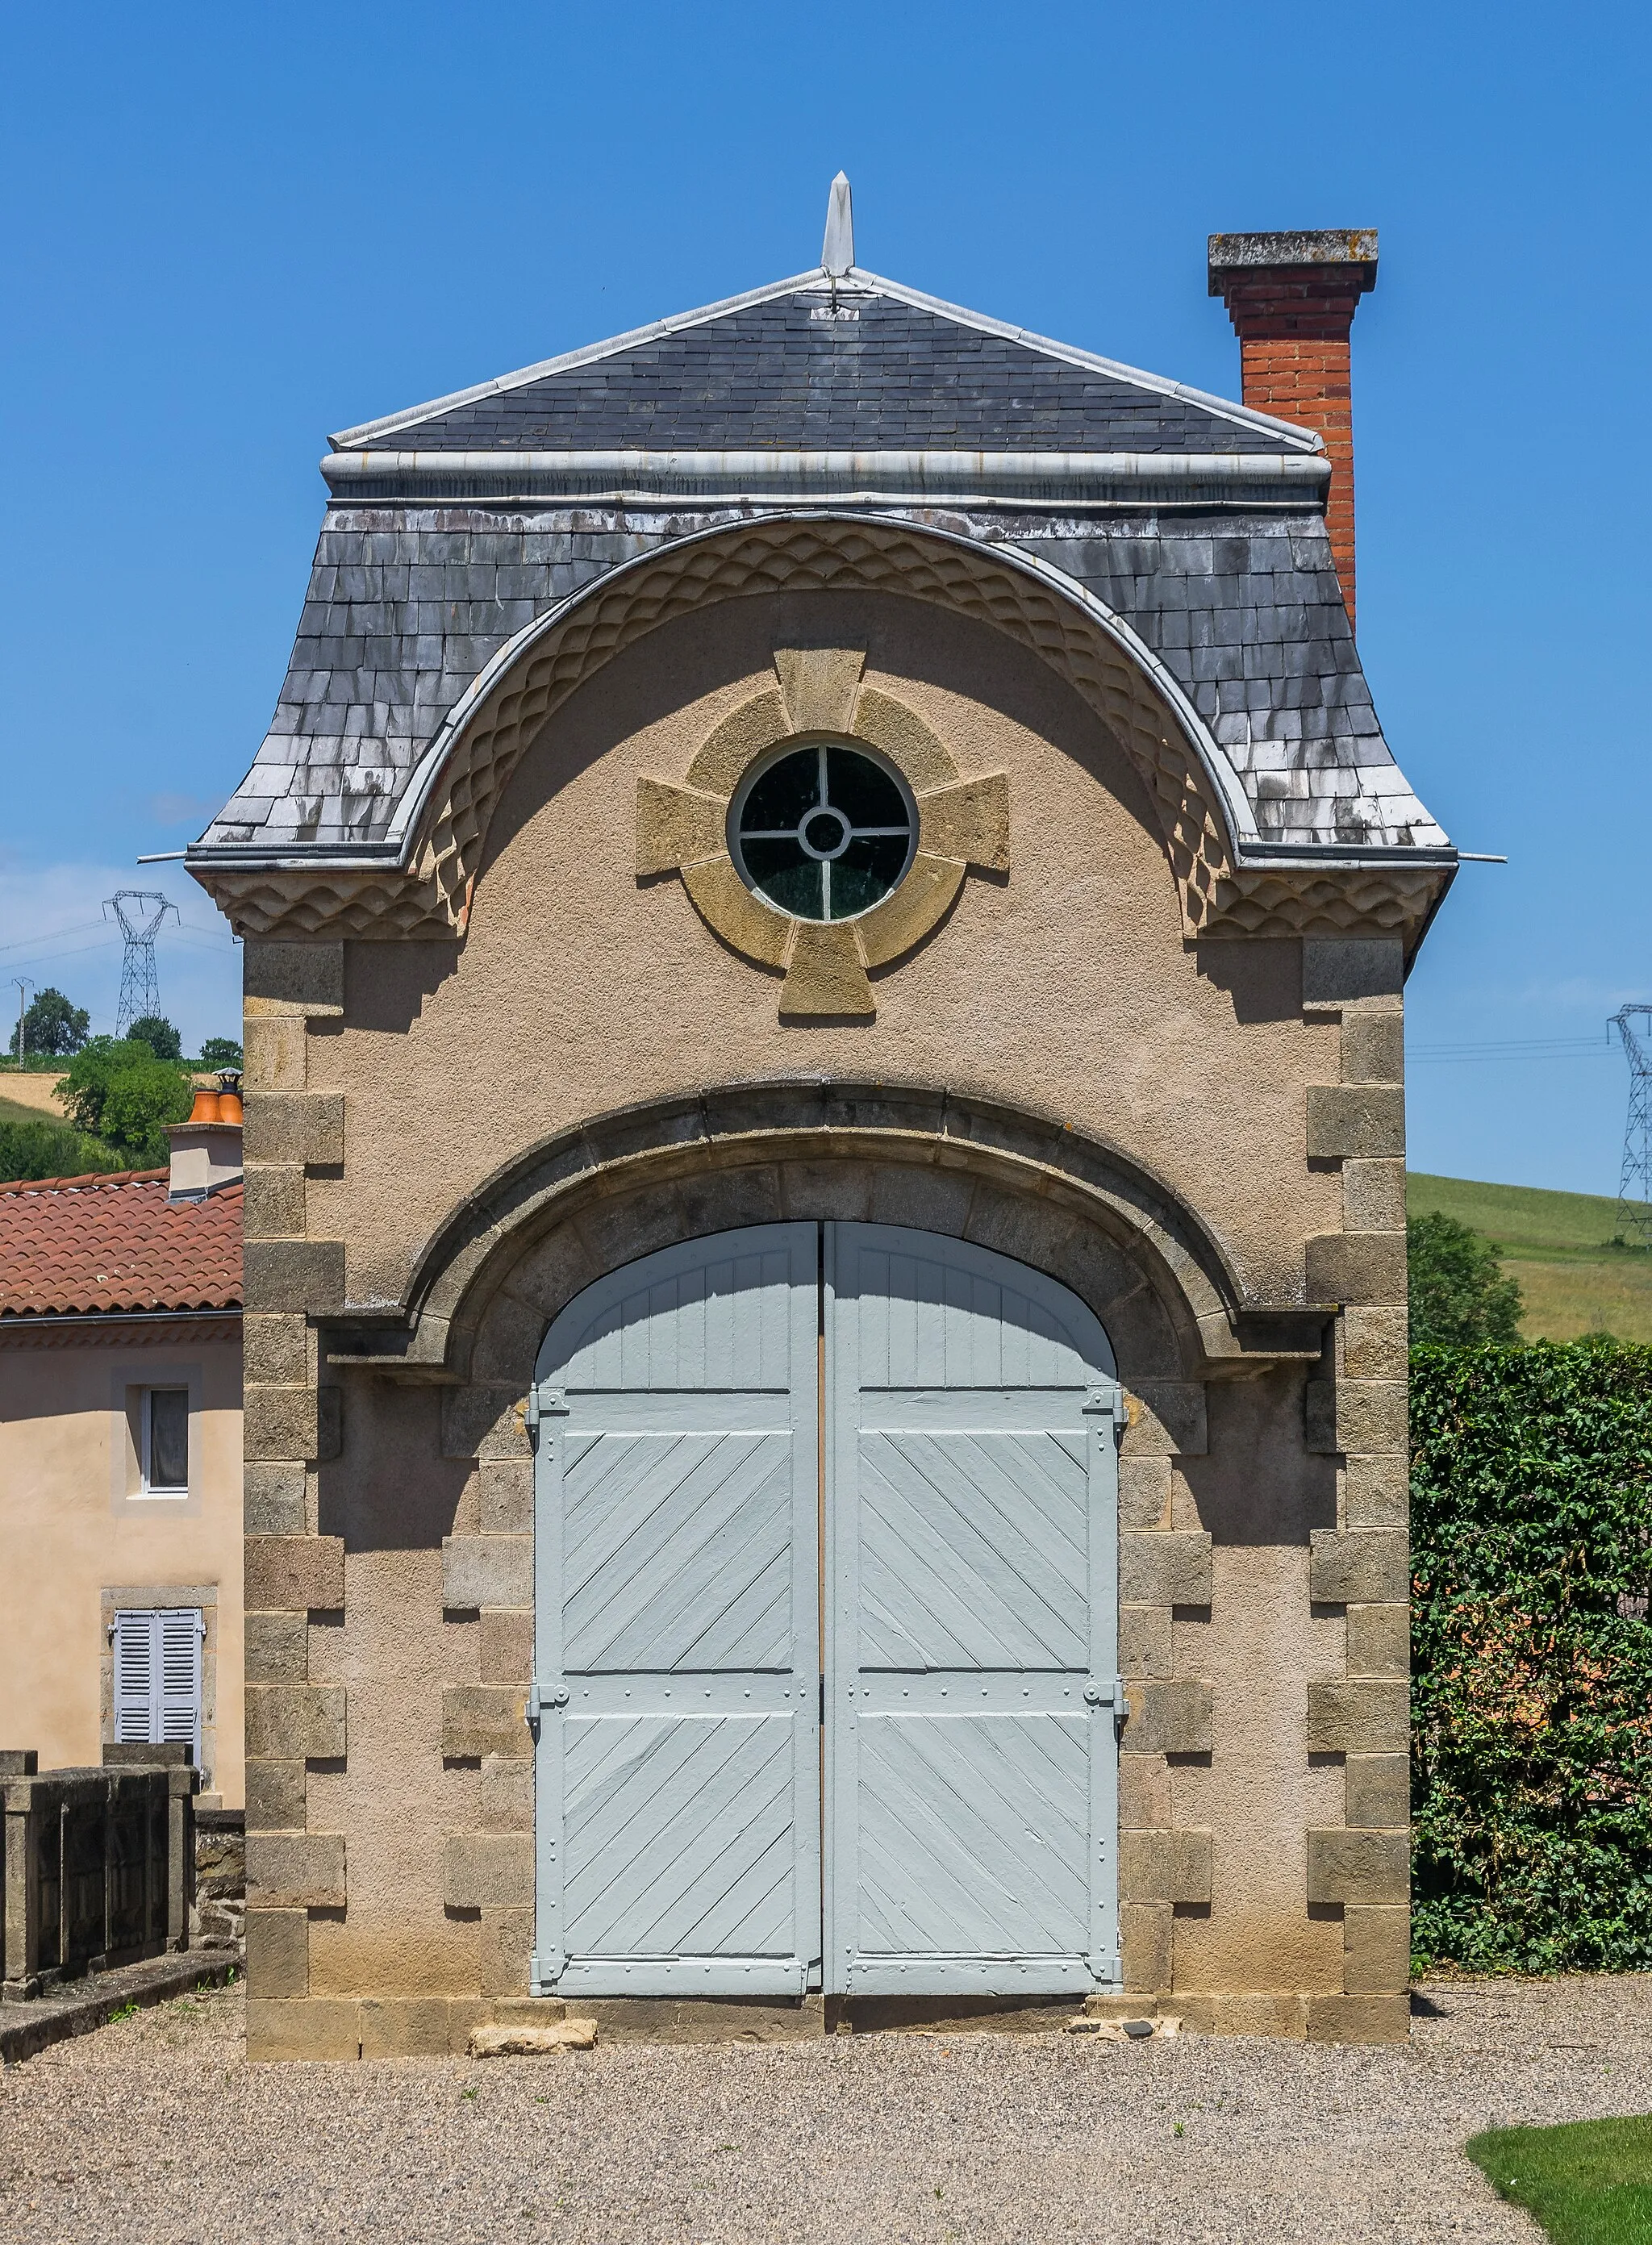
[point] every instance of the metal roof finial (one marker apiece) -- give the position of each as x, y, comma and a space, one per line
837, 252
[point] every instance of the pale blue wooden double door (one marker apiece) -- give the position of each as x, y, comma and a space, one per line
826, 1555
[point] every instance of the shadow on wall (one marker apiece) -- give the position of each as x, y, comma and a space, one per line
1262, 979
390, 1489
1252, 1419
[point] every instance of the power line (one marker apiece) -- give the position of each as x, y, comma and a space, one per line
1517, 1049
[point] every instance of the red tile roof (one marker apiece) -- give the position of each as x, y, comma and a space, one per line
116, 1243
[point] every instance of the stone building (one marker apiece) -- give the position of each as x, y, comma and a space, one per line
826, 909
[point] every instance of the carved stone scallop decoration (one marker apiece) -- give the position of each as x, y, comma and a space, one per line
823, 828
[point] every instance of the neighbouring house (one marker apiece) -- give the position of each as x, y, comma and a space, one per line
120, 1459
826, 909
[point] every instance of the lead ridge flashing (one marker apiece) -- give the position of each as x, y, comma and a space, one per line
733, 477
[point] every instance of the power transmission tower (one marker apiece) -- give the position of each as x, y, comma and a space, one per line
139, 984
23, 987
1634, 1224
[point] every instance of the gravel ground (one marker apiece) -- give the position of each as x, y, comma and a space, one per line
155, 2128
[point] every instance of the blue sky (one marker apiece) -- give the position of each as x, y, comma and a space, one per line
232, 230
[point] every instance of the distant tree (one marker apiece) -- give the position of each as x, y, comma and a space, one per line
47, 1150
152, 1029
52, 1025
1459, 1294
119, 1092
220, 1052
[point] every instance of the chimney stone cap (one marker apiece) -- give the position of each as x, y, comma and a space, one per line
1232, 254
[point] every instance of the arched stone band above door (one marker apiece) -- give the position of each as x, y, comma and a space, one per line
682, 827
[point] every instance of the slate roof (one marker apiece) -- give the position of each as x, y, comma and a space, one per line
116, 1243
421, 579
858, 368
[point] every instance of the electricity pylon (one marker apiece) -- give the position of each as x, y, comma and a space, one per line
139, 984
1634, 1224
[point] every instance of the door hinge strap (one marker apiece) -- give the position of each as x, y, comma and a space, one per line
544, 1402
544, 1696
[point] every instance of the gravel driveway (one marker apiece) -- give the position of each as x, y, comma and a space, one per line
156, 2128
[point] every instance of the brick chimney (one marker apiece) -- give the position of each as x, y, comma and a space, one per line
1291, 298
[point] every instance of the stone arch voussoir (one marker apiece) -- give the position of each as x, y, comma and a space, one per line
583, 1203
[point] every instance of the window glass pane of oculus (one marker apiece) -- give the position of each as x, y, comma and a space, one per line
824, 833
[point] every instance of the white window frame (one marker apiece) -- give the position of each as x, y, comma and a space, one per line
145, 1438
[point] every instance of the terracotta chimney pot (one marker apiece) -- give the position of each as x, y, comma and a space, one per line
206, 1150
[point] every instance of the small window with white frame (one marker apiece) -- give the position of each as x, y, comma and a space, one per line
163, 1441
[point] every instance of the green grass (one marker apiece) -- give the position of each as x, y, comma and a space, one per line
1589, 2183
13, 1110
1559, 1246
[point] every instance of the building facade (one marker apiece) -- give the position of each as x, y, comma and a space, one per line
826, 911
120, 1461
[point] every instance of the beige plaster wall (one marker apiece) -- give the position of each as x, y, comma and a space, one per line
391, 1853
1065, 988
69, 1533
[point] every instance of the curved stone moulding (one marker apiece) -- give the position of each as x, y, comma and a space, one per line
973, 1155
472, 759
683, 828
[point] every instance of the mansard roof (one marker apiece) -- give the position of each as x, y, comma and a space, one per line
457, 527
818, 362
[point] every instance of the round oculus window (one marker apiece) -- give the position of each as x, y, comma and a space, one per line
823, 832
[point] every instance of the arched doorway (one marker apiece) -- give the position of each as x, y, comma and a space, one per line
826, 1538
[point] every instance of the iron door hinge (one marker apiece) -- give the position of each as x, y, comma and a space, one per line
1097, 1694
544, 1403
541, 1697
1108, 1403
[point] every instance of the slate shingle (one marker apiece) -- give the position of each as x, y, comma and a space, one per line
768, 378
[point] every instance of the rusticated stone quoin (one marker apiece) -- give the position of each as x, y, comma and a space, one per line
295, 1870
1168, 1718
484, 1718
490, 1869
296, 1721
1369, 1566
294, 1572
487, 1571
1170, 1569
1359, 1714
1359, 1867
1165, 1865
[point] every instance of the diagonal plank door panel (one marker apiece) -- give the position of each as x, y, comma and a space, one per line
676, 1636
972, 1571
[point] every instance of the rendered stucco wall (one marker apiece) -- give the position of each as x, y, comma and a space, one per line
69, 1534
1263, 1576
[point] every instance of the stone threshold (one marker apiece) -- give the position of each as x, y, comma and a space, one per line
77, 2007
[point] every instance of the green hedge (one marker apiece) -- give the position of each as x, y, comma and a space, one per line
1532, 1657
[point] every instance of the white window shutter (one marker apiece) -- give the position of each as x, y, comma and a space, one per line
158, 1676
177, 1701
135, 1668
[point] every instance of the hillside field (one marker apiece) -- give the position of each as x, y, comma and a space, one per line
1559, 1245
